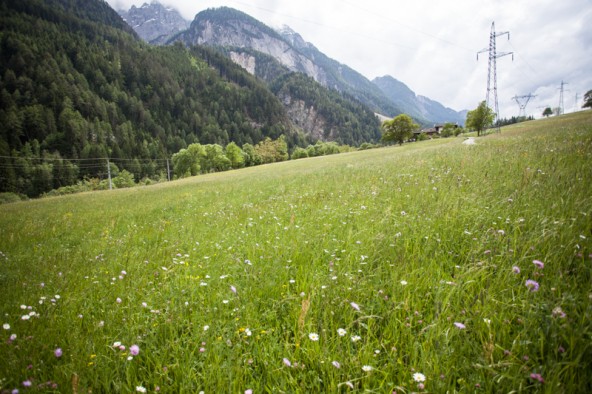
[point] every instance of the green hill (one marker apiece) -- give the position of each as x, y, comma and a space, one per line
434, 266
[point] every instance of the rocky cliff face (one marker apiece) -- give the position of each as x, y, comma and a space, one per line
226, 27
242, 31
155, 23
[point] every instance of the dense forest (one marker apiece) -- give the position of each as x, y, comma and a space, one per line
78, 87
77, 84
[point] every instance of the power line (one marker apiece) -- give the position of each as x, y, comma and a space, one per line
492, 68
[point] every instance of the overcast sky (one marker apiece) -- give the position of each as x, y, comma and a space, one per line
432, 45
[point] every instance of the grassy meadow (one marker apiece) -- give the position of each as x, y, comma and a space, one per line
431, 267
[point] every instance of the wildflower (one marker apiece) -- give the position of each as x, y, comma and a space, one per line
487, 321
537, 376
233, 289
355, 306
287, 362
516, 269
420, 386
313, 336
367, 368
134, 350
25, 317
13, 337
419, 377
140, 389
349, 384
27, 383
336, 364
144, 305
118, 300
532, 285
404, 282
248, 391
538, 264
341, 332
206, 328
558, 312
460, 325
58, 352
6, 326
355, 338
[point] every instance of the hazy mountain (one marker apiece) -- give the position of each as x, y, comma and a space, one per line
419, 107
153, 22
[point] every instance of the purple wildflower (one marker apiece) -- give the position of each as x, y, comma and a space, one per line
539, 264
532, 285
233, 289
336, 364
27, 383
516, 269
58, 352
355, 306
134, 350
287, 362
460, 325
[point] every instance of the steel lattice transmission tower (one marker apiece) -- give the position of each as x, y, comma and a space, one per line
561, 90
522, 102
492, 68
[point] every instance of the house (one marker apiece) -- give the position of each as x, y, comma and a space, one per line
432, 131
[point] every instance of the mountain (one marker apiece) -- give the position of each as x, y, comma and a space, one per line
154, 22
228, 28
419, 107
78, 84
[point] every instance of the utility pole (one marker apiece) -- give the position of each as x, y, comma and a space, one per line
492, 68
109, 174
561, 90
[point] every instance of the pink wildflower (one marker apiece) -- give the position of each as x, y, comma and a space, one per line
134, 350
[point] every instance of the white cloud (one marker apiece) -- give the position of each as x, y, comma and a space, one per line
431, 46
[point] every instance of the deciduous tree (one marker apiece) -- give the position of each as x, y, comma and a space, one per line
398, 129
480, 118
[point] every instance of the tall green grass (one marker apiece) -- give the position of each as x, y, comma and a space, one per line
246, 280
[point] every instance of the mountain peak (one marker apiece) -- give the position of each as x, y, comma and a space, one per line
154, 22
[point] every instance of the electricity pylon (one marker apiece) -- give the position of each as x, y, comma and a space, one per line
522, 102
561, 90
492, 69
